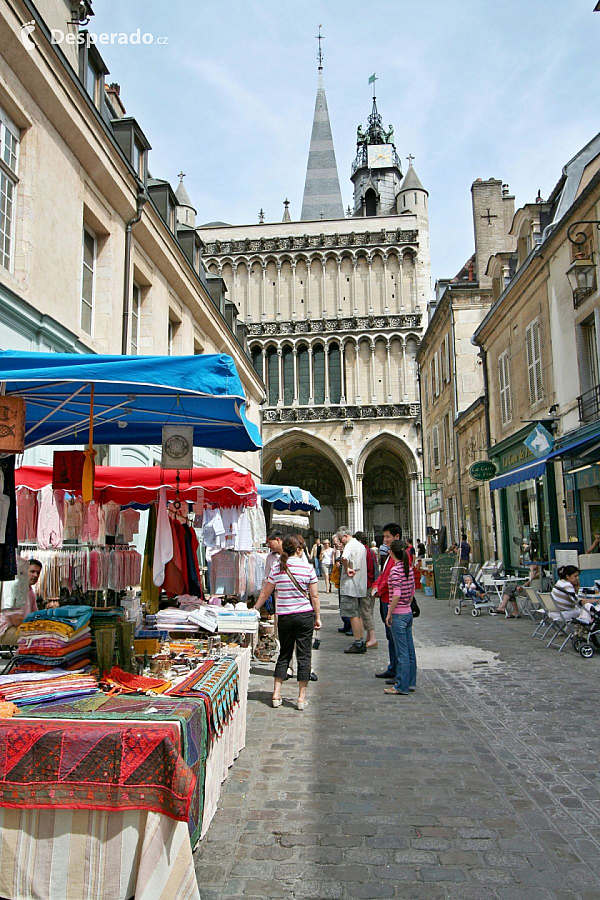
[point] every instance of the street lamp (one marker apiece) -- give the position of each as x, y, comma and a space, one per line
582, 272
278, 464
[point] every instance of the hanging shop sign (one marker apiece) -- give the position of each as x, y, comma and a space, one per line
177, 447
67, 470
12, 424
482, 470
539, 441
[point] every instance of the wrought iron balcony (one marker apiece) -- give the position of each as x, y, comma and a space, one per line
340, 413
589, 405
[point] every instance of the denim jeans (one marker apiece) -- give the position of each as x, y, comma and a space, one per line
317, 563
406, 670
383, 610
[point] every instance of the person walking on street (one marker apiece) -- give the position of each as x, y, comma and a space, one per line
465, 551
367, 610
298, 612
353, 588
401, 583
315, 555
327, 560
391, 532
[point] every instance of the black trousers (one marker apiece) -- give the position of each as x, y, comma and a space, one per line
295, 630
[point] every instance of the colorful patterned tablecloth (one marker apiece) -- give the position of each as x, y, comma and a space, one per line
94, 765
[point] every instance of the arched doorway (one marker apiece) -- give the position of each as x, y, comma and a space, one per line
386, 494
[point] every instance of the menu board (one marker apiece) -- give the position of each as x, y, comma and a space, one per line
442, 573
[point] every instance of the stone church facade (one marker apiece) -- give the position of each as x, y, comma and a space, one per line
335, 307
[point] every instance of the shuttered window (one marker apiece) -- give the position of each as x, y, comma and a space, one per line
450, 436
447, 358
534, 361
505, 393
436, 446
436, 366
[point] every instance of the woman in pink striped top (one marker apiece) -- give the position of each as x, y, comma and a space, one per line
401, 583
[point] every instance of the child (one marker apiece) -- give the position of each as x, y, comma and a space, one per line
472, 589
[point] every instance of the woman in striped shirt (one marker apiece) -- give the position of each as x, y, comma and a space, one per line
298, 613
401, 583
564, 595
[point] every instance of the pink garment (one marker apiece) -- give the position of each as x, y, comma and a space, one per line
101, 525
50, 518
15, 616
163, 545
91, 525
74, 513
129, 524
27, 507
111, 512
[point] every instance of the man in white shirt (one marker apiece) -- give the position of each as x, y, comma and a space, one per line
353, 587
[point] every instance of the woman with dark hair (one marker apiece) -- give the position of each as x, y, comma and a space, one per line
298, 613
401, 583
564, 594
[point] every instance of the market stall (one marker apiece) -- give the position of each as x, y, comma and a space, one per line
103, 764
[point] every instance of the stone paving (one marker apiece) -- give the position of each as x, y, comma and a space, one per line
482, 784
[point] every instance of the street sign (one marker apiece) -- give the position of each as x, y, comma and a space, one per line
482, 470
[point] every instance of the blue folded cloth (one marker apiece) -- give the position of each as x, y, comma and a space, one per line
75, 616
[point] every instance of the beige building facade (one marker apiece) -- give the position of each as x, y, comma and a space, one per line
95, 254
334, 308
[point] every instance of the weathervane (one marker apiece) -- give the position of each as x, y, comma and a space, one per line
319, 38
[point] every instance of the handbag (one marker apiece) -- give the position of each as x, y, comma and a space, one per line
414, 608
334, 576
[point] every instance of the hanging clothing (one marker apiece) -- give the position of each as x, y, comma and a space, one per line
243, 540
129, 524
91, 523
258, 525
163, 547
111, 512
27, 514
150, 592
50, 518
176, 569
74, 513
194, 585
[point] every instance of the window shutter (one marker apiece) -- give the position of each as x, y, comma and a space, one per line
585, 363
502, 390
451, 435
505, 395
432, 369
436, 446
455, 517
530, 362
508, 389
436, 360
447, 358
537, 361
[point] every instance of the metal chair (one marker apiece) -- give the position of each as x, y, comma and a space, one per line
558, 623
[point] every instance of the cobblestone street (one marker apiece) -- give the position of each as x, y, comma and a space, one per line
482, 784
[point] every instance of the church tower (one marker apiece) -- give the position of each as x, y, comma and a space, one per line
376, 171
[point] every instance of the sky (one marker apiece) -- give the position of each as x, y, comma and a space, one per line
474, 89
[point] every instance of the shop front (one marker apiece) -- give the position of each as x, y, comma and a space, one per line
527, 510
579, 453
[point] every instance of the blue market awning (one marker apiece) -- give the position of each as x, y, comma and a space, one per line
134, 396
288, 497
566, 450
533, 469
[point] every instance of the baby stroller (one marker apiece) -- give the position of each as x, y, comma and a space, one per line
473, 593
586, 635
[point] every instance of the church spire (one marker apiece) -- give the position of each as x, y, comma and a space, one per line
322, 195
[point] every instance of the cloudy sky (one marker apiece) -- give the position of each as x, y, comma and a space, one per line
474, 88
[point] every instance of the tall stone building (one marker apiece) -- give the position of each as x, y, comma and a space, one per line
335, 308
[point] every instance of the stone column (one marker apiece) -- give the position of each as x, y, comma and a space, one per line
326, 359
280, 365
373, 388
417, 501
359, 512
278, 315
339, 284
295, 355
400, 300
369, 289
354, 291
234, 268
263, 299
386, 307
342, 373
388, 353
308, 313
311, 393
264, 370
357, 370
323, 288
404, 394
413, 286
293, 263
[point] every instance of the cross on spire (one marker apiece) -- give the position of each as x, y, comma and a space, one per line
319, 37
410, 158
181, 175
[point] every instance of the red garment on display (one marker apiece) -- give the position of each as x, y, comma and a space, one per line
175, 571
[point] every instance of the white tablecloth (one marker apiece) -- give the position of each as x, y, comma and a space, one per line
67, 854
225, 749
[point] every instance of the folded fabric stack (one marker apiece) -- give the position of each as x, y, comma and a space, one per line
233, 621
108, 617
27, 689
55, 638
171, 619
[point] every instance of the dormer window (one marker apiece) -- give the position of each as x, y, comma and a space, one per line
92, 70
134, 144
165, 201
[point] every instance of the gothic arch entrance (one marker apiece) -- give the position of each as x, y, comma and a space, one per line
386, 492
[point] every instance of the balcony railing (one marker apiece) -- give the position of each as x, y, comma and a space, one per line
589, 405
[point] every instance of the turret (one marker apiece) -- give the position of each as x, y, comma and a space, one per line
412, 196
376, 171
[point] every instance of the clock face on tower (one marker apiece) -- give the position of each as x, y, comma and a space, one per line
380, 155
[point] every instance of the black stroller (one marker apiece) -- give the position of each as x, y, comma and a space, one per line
586, 635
